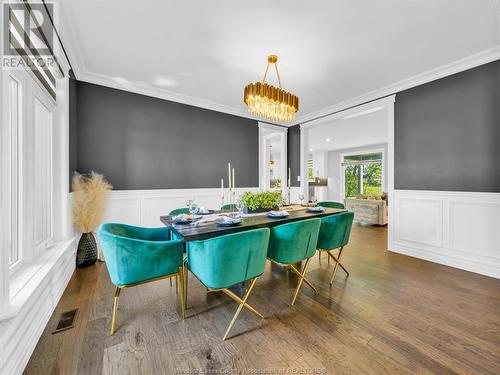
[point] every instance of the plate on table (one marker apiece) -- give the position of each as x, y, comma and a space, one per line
182, 219
229, 221
316, 209
205, 212
278, 214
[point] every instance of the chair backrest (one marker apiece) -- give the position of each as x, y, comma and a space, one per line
335, 230
293, 242
179, 211
228, 260
331, 204
135, 254
229, 206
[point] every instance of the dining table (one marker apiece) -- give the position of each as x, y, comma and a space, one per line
208, 226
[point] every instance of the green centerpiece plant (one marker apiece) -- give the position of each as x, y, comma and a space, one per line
261, 202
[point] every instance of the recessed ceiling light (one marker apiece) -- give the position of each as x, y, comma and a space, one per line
311, 149
165, 81
328, 139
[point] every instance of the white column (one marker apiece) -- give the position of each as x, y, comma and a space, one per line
390, 172
304, 151
4, 178
62, 210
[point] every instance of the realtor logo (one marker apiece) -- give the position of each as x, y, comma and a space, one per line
27, 33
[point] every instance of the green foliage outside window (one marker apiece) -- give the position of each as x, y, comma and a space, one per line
351, 180
370, 173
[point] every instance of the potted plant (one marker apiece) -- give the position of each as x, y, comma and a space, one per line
89, 197
261, 202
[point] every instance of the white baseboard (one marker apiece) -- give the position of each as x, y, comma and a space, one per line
458, 229
34, 307
144, 207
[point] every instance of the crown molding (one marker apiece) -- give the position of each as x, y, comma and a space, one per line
149, 90
274, 128
83, 74
457, 66
382, 102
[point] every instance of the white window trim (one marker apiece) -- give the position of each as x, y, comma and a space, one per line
45, 100
17, 276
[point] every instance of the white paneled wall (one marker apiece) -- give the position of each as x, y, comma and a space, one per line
144, 207
459, 229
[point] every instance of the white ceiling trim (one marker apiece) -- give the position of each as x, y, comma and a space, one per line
457, 66
384, 102
150, 90
71, 43
463, 64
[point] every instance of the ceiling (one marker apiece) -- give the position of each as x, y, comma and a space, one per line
365, 130
205, 52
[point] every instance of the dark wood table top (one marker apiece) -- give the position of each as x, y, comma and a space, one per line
190, 232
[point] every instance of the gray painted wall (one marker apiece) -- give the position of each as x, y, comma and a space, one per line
447, 133
140, 142
293, 151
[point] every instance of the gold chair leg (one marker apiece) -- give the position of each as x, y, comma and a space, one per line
297, 272
301, 279
240, 307
115, 309
176, 285
181, 291
337, 263
240, 301
170, 282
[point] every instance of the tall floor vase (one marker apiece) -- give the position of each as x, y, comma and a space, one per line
86, 253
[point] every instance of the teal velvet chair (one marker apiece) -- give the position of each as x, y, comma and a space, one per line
293, 242
136, 256
224, 261
334, 234
229, 206
331, 204
179, 211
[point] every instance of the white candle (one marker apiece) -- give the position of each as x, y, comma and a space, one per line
234, 186
229, 175
222, 187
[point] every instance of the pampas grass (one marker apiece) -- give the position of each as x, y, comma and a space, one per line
89, 198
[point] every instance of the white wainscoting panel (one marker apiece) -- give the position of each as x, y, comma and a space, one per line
458, 229
420, 220
34, 305
144, 207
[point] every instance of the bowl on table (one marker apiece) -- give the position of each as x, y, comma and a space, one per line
204, 211
316, 209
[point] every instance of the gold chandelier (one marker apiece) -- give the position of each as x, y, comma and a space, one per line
269, 101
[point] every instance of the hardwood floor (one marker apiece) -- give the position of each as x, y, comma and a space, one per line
394, 314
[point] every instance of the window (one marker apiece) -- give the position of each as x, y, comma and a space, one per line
310, 172
363, 174
28, 168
